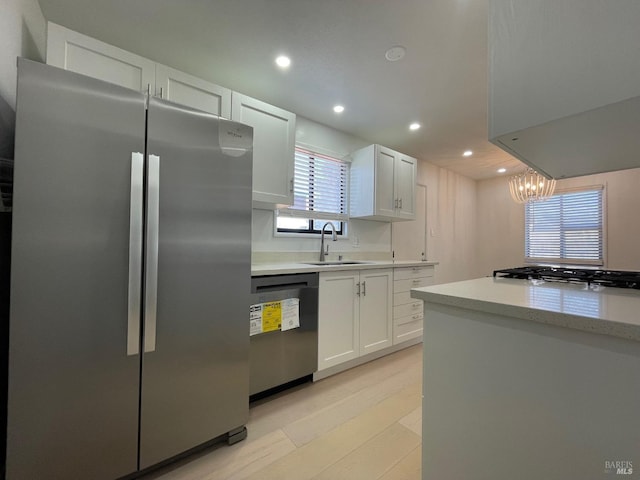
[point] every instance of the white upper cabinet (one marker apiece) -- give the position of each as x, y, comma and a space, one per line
273, 149
76, 52
81, 54
405, 175
273, 128
382, 184
185, 89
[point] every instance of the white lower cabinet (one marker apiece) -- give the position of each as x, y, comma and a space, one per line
407, 311
354, 314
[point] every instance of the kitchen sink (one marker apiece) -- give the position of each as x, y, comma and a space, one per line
337, 262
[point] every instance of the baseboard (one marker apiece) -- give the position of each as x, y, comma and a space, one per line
364, 359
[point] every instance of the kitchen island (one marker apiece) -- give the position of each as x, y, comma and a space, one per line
530, 380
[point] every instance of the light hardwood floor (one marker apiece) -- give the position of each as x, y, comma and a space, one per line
362, 424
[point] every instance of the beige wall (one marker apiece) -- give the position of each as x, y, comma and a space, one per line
500, 235
451, 222
501, 221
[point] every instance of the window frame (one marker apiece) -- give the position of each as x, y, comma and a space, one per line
290, 232
310, 231
573, 261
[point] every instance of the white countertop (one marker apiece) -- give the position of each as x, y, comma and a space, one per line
300, 267
605, 310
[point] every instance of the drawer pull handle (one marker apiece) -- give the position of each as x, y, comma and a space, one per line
416, 305
416, 317
416, 282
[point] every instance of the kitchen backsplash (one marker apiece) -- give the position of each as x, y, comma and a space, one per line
298, 257
363, 236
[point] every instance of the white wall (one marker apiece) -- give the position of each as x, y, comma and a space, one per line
22, 33
501, 221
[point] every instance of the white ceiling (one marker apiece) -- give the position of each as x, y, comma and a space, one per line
337, 49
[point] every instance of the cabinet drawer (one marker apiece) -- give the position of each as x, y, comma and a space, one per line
407, 309
408, 284
412, 272
402, 298
408, 318
407, 331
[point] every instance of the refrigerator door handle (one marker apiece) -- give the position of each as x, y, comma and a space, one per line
135, 253
151, 274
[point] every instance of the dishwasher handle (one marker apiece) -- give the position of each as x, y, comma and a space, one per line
275, 283
282, 286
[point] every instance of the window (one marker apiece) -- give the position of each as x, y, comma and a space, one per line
319, 195
566, 228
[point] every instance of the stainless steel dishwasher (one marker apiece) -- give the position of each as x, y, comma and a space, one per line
279, 357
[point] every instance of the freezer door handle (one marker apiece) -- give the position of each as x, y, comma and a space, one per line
151, 273
135, 253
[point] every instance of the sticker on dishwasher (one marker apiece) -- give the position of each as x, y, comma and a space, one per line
255, 319
271, 316
290, 313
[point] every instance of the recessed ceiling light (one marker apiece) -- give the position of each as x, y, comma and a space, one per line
338, 109
283, 61
502, 170
467, 153
414, 126
395, 53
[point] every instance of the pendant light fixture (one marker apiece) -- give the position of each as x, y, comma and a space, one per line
530, 186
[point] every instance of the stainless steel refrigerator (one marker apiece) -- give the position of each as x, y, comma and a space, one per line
130, 279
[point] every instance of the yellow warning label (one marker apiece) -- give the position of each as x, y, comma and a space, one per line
271, 316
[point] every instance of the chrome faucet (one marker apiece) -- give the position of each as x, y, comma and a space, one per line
334, 236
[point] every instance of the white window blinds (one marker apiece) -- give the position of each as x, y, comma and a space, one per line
568, 227
319, 187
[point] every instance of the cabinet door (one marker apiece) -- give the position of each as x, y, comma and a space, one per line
405, 176
81, 54
385, 170
185, 89
338, 313
273, 149
376, 290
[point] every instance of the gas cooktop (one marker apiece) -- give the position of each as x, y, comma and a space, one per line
605, 278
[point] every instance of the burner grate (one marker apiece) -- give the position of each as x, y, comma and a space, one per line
605, 278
